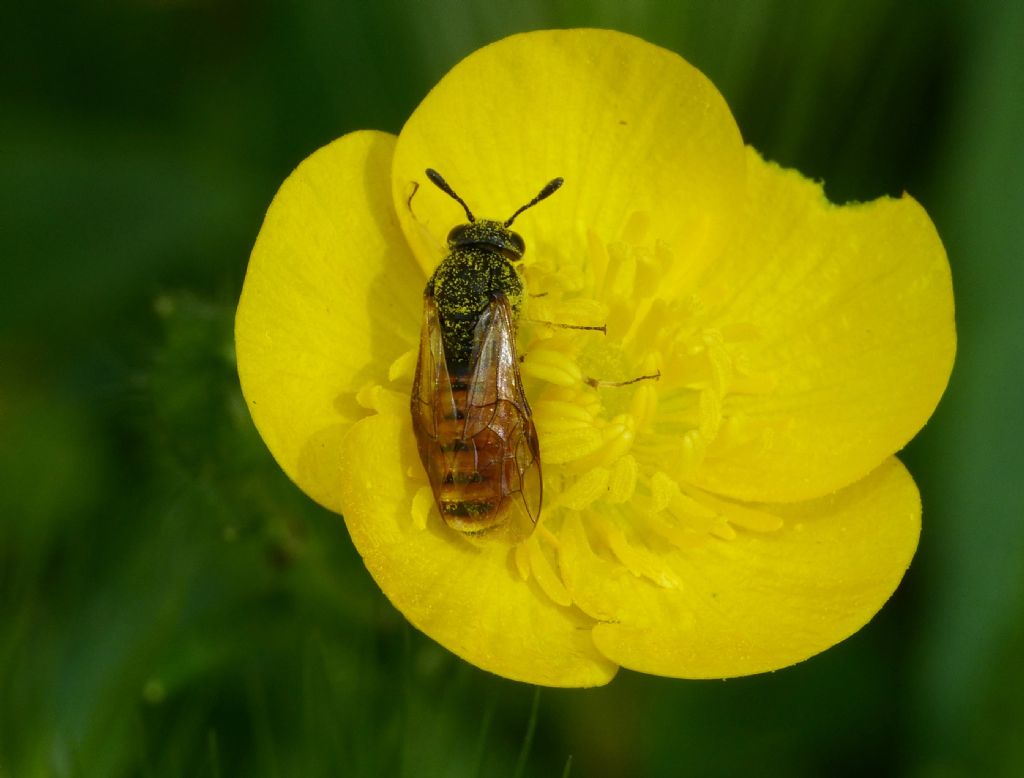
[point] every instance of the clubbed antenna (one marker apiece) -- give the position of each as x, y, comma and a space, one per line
549, 189
441, 184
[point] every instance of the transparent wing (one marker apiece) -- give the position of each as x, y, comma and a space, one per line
475, 434
496, 408
432, 397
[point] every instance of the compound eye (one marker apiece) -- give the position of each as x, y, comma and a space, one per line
517, 243
457, 234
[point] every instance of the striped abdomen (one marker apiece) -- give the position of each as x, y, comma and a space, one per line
473, 468
474, 430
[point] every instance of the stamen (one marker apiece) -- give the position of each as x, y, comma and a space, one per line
531, 561
644, 405
663, 489
740, 515
692, 453
622, 480
551, 364
678, 537
616, 440
560, 415
563, 446
699, 518
618, 281
637, 559
586, 490
710, 415
544, 573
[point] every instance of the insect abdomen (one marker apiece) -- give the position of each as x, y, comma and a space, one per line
471, 472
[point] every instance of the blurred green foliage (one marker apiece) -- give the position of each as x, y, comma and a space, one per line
171, 605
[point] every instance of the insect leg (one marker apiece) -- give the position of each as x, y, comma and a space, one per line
412, 194
594, 382
602, 328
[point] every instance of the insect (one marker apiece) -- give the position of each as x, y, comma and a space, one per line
473, 424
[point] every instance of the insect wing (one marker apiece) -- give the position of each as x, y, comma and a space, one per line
477, 442
496, 407
432, 397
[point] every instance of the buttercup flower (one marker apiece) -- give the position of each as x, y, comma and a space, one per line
739, 513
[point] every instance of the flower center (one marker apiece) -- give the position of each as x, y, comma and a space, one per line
626, 418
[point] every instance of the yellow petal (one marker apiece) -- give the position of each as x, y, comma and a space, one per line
468, 597
759, 602
852, 313
331, 297
632, 128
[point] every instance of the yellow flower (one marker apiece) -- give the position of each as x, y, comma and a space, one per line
740, 513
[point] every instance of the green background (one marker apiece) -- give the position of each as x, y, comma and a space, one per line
171, 605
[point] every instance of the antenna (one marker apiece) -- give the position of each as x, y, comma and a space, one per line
441, 184
549, 189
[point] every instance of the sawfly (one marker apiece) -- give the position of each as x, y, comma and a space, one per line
473, 424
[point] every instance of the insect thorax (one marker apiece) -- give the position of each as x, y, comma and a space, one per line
463, 285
